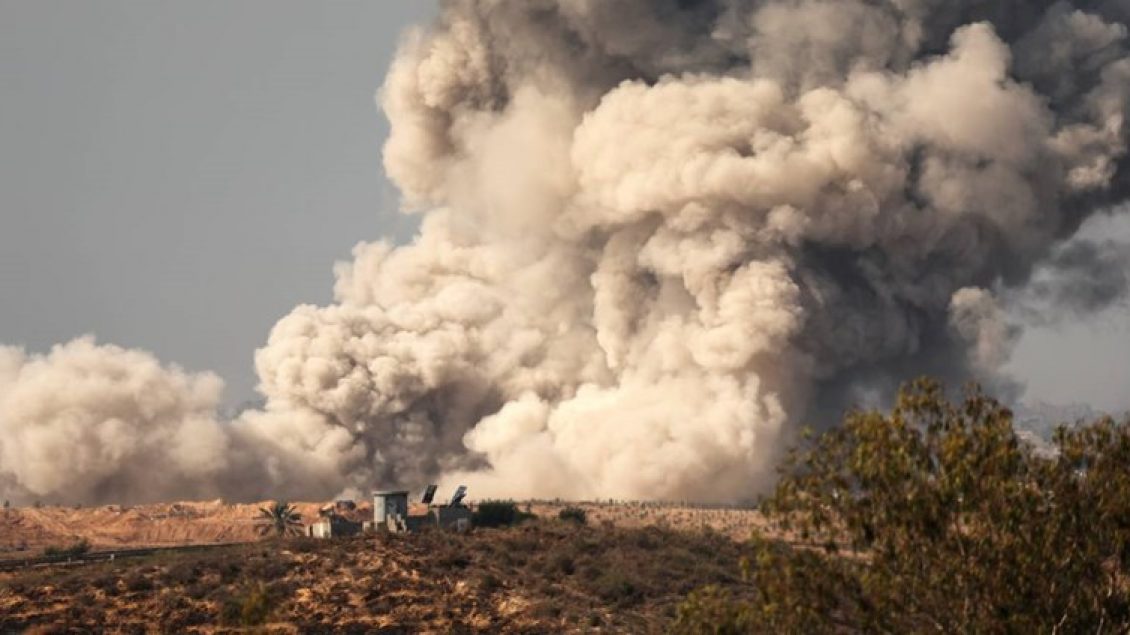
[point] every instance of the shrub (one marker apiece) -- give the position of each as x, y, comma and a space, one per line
935, 517
182, 573
714, 610
270, 567
453, 559
562, 563
590, 572
250, 608
195, 617
229, 571
573, 514
256, 607
303, 544
104, 582
648, 539
136, 582
498, 514
230, 610
615, 587
77, 549
489, 583
549, 609
196, 591
170, 602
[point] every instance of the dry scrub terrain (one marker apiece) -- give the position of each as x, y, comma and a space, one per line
736, 522
27, 531
542, 576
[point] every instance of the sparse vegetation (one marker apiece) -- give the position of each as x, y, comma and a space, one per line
250, 607
573, 514
137, 582
616, 587
935, 517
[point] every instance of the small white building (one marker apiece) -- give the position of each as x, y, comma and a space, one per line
390, 509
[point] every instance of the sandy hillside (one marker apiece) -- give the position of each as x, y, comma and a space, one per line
30, 529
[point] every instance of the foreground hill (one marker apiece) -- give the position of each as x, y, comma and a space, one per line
541, 576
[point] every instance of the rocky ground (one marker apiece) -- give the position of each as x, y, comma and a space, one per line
545, 575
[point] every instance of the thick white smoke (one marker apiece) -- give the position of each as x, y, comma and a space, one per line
86, 422
655, 236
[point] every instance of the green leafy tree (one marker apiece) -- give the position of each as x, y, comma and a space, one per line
935, 517
280, 519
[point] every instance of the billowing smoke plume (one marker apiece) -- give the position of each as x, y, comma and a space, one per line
1081, 275
655, 236
88, 422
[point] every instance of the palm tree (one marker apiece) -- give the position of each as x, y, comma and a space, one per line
280, 518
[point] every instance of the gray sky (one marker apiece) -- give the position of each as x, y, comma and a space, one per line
1081, 360
176, 176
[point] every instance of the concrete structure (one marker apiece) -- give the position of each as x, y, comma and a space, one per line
390, 509
337, 519
333, 527
454, 517
391, 512
340, 518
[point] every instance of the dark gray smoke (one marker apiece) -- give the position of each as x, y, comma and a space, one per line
1082, 276
658, 235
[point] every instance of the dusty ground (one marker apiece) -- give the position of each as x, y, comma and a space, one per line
27, 531
545, 575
